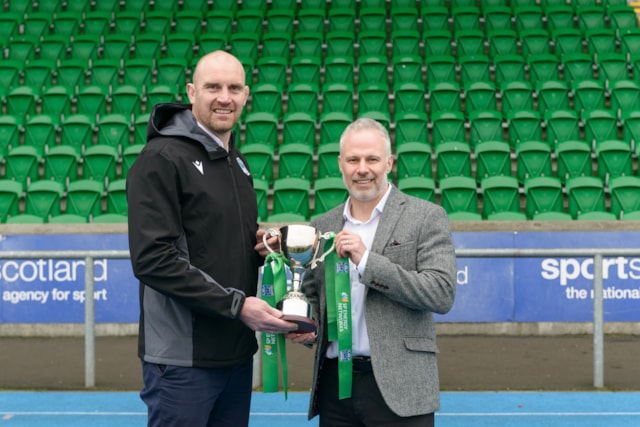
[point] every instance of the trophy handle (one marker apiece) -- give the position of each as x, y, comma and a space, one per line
326, 236
271, 232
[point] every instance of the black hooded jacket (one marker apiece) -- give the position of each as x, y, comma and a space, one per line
192, 228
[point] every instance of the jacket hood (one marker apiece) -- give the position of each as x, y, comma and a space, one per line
176, 120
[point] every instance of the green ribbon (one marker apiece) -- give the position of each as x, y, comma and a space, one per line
338, 288
274, 287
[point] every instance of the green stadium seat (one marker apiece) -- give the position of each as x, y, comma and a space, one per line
71, 72
64, 23
92, 100
497, 17
561, 125
499, 194
528, 17
157, 94
250, 20
127, 22
281, 19
61, 164
308, 44
145, 46
261, 127
68, 219
11, 127
552, 216
484, 126
291, 195
305, 69
409, 97
40, 131
469, 42
444, 96
84, 198
138, 71
43, 199
577, 67
543, 194
373, 97
459, 194
188, 21
340, 43
567, 41
625, 195
524, 125
405, 43
328, 193
590, 17
492, 158
588, 95
404, 18
453, 159
218, 21
337, 97
502, 41
295, 160
614, 159
585, 194
601, 40
22, 164
624, 95
127, 99
22, 100
260, 160
299, 128
533, 159
341, 19
53, 47
261, 187
479, 96
596, 216
311, 20
286, 218
116, 198
25, 219
509, 68
612, 67
328, 160
535, 42
622, 17
474, 68
573, 159
276, 44
437, 42
110, 219
372, 19
413, 159
302, 98
543, 67
96, 22
332, 124
241, 44
465, 18
631, 127
158, 21
99, 163
599, 125
559, 16
411, 127
140, 124
104, 5
440, 68
435, 18
22, 47
339, 69
10, 24
76, 131
36, 24
552, 95
507, 216
418, 186
448, 126
10, 72
406, 69
104, 72
218, 5
516, 96
10, 196
85, 46
113, 130
56, 100
372, 69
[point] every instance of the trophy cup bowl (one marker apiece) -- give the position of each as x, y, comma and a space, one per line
299, 244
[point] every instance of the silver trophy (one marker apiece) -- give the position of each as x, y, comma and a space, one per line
299, 245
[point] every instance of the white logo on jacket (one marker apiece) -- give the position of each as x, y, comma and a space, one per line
198, 165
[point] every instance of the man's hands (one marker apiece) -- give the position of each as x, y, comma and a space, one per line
272, 241
350, 245
260, 316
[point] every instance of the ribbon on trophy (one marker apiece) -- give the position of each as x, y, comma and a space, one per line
274, 287
338, 291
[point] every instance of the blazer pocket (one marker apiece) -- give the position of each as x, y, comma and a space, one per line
403, 254
420, 344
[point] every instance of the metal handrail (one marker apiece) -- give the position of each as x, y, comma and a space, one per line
598, 301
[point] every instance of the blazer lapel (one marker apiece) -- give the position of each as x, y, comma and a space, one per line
390, 216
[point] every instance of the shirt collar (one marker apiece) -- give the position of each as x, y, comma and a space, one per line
211, 134
377, 211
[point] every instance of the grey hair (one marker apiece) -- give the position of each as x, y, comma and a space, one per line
365, 123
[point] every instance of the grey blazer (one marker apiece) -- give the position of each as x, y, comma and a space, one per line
410, 274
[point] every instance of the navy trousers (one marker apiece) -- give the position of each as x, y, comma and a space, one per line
197, 397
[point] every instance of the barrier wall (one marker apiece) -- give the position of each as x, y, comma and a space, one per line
489, 290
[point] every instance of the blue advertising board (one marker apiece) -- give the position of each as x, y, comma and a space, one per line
489, 290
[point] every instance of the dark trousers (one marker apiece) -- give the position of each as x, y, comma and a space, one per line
177, 397
366, 407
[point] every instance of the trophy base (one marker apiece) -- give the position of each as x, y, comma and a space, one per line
305, 324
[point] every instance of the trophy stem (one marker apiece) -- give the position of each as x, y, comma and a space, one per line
296, 279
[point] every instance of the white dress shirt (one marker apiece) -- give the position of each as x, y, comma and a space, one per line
366, 230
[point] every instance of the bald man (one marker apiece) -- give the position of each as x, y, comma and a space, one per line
192, 232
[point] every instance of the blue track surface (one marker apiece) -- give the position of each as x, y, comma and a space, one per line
468, 409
